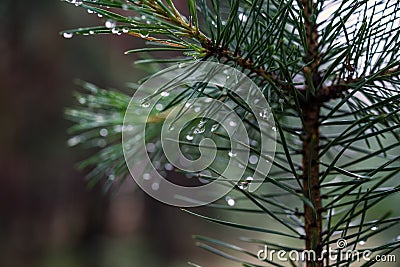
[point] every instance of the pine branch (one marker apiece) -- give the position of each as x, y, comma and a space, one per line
343, 152
338, 90
211, 49
246, 64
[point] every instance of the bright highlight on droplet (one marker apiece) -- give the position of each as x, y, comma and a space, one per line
230, 201
232, 154
68, 35
146, 176
103, 132
145, 104
264, 113
110, 24
155, 186
165, 93
253, 159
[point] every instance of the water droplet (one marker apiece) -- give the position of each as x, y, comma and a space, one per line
374, 228
125, 30
231, 154
117, 128
203, 181
274, 129
114, 30
214, 127
281, 100
155, 186
362, 243
243, 17
189, 137
230, 201
101, 143
82, 100
253, 159
159, 106
201, 123
103, 132
240, 165
146, 176
150, 147
197, 109
145, 104
110, 24
199, 130
249, 179
127, 128
169, 167
91, 32
100, 15
243, 185
171, 127
111, 177
165, 93
398, 238
232, 123
264, 113
100, 119
68, 35
90, 11
74, 141
144, 33
206, 174
127, 146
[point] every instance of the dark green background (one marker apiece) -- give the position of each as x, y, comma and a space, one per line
48, 217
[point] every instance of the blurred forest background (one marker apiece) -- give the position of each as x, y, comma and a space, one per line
48, 216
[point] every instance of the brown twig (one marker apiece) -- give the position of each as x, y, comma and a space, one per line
338, 90
311, 113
